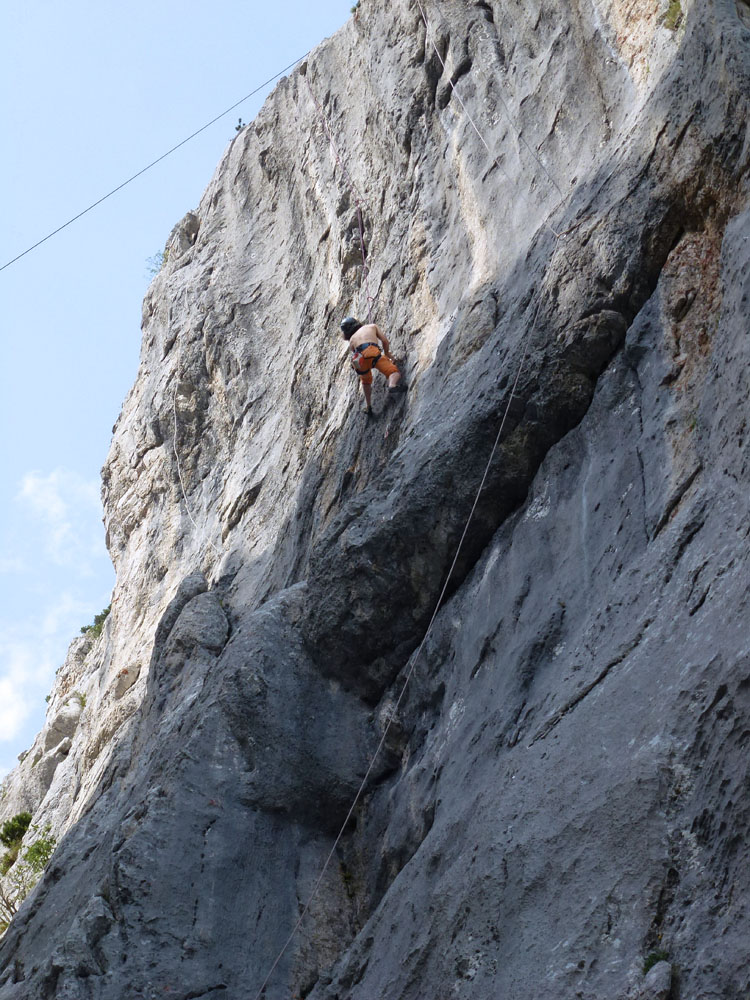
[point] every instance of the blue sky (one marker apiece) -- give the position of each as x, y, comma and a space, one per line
92, 92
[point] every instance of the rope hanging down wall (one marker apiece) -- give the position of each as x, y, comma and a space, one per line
201, 531
438, 604
521, 138
358, 200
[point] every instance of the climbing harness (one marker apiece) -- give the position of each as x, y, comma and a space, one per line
365, 357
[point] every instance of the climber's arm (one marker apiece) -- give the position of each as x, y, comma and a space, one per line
385, 342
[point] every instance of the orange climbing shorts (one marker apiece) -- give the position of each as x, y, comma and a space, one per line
384, 365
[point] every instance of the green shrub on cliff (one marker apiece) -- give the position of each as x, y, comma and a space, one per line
23, 875
157, 262
12, 831
674, 15
653, 959
37, 855
95, 630
11, 834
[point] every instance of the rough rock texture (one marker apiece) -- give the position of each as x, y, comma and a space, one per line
563, 789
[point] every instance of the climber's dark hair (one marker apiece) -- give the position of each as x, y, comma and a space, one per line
349, 326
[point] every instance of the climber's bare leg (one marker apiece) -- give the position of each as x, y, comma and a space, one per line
367, 389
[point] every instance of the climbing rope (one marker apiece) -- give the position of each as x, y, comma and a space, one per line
414, 661
438, 604
201, 531
474, 125
358, 200
558, 235
153, 163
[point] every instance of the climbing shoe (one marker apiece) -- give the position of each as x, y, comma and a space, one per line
400, 387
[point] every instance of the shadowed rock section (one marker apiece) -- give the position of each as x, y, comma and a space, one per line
560, 798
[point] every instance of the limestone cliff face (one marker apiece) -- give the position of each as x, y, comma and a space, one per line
564, 789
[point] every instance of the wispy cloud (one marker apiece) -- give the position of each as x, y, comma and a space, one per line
14, 709
65, 617
56, 576
17, 666
69, 511
30, 653
13, 565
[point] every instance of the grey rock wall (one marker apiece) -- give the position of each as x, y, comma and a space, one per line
564, 813
561, 793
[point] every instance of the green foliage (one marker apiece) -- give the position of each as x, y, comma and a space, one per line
12, 831
355, 8
95, 630
653, 959
80, 698
38, 854
8, 860
157, 262
11, 834
673, 17
23, 875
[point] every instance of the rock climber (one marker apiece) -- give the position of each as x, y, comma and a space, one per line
370, 349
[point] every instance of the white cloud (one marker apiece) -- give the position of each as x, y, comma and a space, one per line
66, 616
13, 565
17, 664
14, 709
69, 509
57, 538
30, 653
